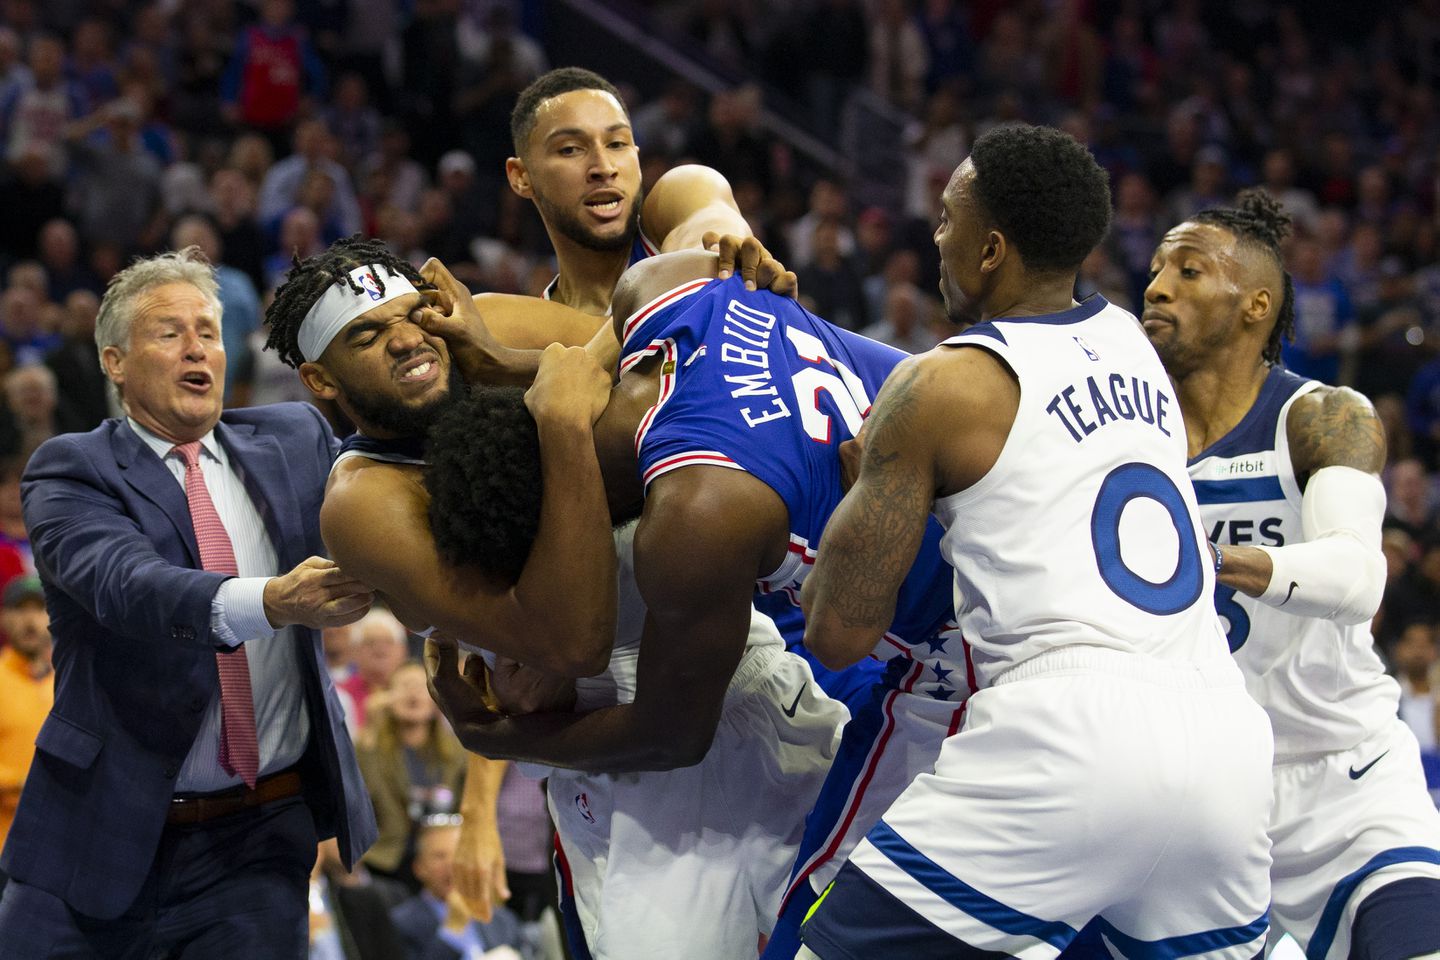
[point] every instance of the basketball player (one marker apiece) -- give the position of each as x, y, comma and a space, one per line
1110, 764
737, 402
576, 158
1286, 472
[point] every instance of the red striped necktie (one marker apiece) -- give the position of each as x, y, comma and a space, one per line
239, 749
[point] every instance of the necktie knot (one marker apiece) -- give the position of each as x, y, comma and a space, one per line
189, 452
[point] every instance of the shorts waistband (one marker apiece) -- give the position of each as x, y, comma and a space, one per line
1180, 674
755, 667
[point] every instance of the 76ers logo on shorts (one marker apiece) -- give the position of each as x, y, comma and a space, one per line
582, 803
372, 287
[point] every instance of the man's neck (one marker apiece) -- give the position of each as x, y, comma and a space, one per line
1027, 296
1216, 397
587, 277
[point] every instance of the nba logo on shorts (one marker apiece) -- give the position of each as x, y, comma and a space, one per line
367, 280
582, 803
1086, 347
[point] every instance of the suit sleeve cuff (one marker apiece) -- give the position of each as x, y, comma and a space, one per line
237, 613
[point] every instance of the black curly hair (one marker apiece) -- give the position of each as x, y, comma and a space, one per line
308, 280
552, 84
1259, 221
484, 479
1045, 193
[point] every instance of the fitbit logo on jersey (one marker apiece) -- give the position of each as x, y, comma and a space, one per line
1085, 408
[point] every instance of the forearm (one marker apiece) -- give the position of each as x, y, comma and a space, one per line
483, 778
496, 364
568, 588
1337, 571
610, 740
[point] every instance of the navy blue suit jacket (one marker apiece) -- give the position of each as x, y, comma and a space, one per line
419, 930
134, 659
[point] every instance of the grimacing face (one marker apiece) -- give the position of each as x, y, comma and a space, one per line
385, 368
171, 374
1193, 301
582, 169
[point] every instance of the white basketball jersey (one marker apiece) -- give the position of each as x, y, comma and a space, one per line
1085, 531
1322, 683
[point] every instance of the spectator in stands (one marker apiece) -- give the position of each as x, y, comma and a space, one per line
950, 50
21, 328
349, 914
1324, 319
1207, 187
899, 56
232, 204
355, 123
59, 252
282, 188
14, 74
300, 237
435, 924
413, 767
834, 280
405, 177
337, 644
1417, 667
33, 197
73, 361
273, 72
36, 115
905, 321
665, 125
731, 141
92, 63
27, 688
836, 42
116, 179
379, 650
1410, 499
33, 397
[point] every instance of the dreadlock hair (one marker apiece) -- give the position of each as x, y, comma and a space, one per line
1260, 222
553, 84
483, 474
308, 280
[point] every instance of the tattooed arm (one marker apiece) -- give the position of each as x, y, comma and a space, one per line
1336, 570
937, 426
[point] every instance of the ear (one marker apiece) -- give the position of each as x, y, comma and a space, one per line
519, 177
1257, 306
319, 381
994, 253
113, 359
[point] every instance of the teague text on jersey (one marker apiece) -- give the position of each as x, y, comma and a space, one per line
1085, 407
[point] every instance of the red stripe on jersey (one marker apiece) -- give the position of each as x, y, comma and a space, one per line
853, 807
958, 719
708, 458
664, 300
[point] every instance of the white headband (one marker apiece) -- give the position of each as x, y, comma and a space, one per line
341, 304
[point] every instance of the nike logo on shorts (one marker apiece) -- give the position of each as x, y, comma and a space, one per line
1357, 774
790, 710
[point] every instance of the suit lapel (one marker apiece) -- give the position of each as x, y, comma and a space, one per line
260, 462
150, 478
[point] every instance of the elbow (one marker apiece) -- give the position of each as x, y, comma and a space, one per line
833, 648
1363, 601
576, 656
680, 749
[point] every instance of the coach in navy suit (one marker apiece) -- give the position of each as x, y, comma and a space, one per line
139, 833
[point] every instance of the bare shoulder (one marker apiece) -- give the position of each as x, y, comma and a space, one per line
365, 494
952, 405
1335, 426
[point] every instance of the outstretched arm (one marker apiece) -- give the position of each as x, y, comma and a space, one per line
871, 539
480, 856
1336, 570
697, 552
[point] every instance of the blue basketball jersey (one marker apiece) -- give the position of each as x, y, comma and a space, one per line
752, 381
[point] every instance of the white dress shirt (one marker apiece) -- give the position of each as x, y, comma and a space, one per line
237, 615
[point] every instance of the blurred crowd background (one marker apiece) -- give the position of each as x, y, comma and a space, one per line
265, 130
